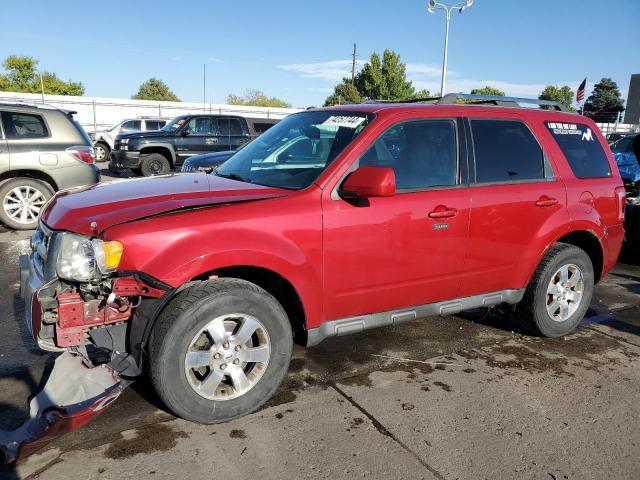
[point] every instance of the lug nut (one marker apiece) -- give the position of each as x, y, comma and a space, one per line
225, 345
223, 366
238, 348
216, 356
236, 361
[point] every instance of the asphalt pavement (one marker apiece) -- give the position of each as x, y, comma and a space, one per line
462, 397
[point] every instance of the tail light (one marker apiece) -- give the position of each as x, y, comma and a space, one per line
83, 153
621, 200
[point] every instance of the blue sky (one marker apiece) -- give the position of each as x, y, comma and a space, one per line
298, 50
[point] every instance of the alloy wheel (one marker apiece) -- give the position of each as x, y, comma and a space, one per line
22, 204
227, 357
565, 292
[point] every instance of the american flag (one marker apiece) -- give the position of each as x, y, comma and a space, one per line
580, 92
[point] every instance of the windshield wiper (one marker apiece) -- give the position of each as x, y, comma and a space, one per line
233, 176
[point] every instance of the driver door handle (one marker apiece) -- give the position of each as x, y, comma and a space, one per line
442, 211
546, 201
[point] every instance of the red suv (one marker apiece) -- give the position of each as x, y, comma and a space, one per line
332, 222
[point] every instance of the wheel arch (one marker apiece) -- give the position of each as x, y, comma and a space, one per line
33, 174
591, 245
162, 149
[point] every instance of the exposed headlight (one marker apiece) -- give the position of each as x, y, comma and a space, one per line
83, 259
124, 141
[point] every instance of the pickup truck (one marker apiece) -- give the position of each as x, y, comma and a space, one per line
156, 153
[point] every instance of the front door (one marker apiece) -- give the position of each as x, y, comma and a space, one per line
514, 195
199, 135
4, 152
388, 253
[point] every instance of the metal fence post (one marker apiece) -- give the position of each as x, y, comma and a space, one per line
95, 126
159, 109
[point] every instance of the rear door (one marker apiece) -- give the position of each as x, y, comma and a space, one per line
232, 133
4, 151
514, 196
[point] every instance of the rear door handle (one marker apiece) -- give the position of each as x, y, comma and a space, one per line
546, 201
441, 211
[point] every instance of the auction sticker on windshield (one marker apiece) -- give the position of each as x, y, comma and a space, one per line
348, 121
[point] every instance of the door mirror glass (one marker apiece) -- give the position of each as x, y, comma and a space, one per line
367, 182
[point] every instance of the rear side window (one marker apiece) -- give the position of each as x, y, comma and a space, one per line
262, 127
19, 125
581, 149
506, 151
229, 126
154, 125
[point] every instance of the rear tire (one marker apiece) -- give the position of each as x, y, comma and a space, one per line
154, 164
21, 200
559, 292
137, 171
219, 350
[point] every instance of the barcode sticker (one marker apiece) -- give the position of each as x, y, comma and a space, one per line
348, 121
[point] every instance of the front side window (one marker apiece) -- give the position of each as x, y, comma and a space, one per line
294, 152
581, 148
174, 124
200, 126
132, 126
423, 154
506, 151
21, 126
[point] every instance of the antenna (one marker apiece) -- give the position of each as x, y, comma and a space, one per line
204, 88
41, 86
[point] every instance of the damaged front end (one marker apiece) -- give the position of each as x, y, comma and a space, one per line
77, 302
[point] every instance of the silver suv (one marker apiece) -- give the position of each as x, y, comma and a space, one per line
103, 139
42, 150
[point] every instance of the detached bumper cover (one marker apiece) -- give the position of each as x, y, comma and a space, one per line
73, 395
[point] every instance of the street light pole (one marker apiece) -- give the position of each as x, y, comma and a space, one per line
432, 6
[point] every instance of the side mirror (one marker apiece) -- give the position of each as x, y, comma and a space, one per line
368, 182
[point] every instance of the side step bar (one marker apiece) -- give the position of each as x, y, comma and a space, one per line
346, 326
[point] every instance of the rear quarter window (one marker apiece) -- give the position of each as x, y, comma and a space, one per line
581, 148
18, 125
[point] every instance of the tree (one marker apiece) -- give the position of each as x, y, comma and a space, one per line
345, 93
563, 95
154, 89
257, 98
380, 79
23, 77
604, 104
488, 91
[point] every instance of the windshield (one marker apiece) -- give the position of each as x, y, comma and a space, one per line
174, 124
294, 152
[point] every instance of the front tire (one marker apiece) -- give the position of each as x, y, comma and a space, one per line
154, 164
22, 198
102, 151
559, 293
219, 350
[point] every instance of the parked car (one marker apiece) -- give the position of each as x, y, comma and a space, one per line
42, 150
626, 160
615, 136
396, 212
156, 153
206, 161
103, 140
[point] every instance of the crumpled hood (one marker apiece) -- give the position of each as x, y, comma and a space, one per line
112, 203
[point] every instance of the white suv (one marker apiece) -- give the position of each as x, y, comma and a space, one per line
103, 139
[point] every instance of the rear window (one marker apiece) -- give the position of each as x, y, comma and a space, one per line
229, 126
23, 125
581, 148
262, 127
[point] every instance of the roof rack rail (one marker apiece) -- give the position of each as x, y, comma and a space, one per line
450, 98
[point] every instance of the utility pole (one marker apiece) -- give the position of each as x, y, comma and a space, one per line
204, 88
41, 86
353, 65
